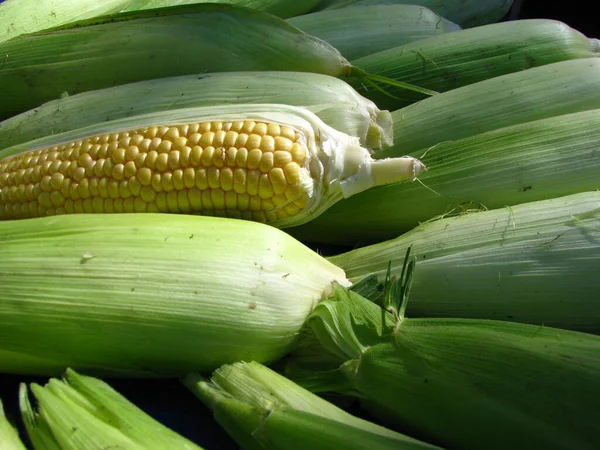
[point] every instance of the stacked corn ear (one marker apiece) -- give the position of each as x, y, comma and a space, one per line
467, 13
9, 437
363, 30
331, 99
460, 383
154, 44
279, 8
80, 412
560, 88
151, 295
261, 409
534, 263
270, 163
451, 60
532, 161
29, 16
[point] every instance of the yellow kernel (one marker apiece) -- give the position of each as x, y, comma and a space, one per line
219, 157
69, 206
183, 129
183, 201
242, 201
230, 139
134, 186
248, 126
74, 191
293, 192
291, 209
216, 126
267, 144
167, 181
184, 155
195, 198
109, 206
103, 187
84, 189
189, 177
164, 147
302, 202
282, 144
214, 177
230, 156
155, 143
56, 180
195, 156
174, 162
266, 162
156, 182
46, 183
237, 126
129, 169
144, 176
207, 156
140, 161
162, 162
230, 200
253, 142
129, 205
140, 205
219, 138
171, 134
218, 198
132, 153
124, 190
161, 202
265, 189
172, 203
148, 194
259, 216
151, 132
144, 146
254, 203
288, 133
64, 167
207, 139
118, 205
252, 177
135, 141
281, 158
178, 183
99, 168
201, 179
254, 157
118, 156
279, 200
113, 188
239, 180
226, 179
162, 131
292, 173
65, 187
278, 180
207, 202
118, 172
150, 160
194, 139
241, 140
298, 154
98, 205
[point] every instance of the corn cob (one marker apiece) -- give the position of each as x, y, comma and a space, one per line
467, 13
270, 163
151, 294
333, 100
364, 30
461, 383
279, 8
534, 263
543, 92
81, 412
532, 161
262, 409
29, 16
44, 66
452, 60
9, 438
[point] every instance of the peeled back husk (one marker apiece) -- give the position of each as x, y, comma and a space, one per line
330, 98
151, 295
9, 437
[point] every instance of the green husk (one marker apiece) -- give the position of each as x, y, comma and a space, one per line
29, 16
534, 263
363, 30
451, 60
539, 93
81, 412
151, 295
143, 45
462, 383
261, 409
279, 8
9, 437
333, 100
532, 161
467, 13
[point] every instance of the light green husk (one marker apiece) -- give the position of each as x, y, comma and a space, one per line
151, 295
363, 30
534, 263
81, 412
143, 45
279, 8
261, 409
527, 162
461, 383
9, 437
451, 60
467, 13
333, 100
29, 16
561, 88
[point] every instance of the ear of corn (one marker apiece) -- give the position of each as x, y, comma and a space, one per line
81, 412
9, 438
535, 263
271, 163
29, 16
333, 100
363, 30
463, 383
151, 294
183, 40
262, 409
451, 60
467, 13
279, 8
539, 93
510, 166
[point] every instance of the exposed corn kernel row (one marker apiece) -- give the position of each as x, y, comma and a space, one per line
243, 169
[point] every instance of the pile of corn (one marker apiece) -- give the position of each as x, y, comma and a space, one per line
172, 170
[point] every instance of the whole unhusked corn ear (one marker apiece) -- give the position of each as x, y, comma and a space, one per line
366, 29
279, 8
183, 40
330, 98
467, 13
270, 163
80, 412
9, 437
151, 295
451, 60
